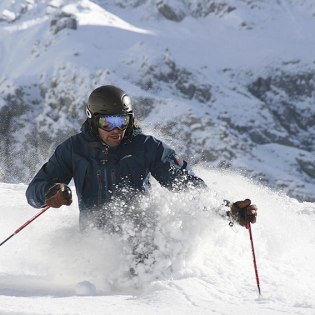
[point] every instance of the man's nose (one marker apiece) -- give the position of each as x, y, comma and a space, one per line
116, 130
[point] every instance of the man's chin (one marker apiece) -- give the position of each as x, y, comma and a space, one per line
114, 142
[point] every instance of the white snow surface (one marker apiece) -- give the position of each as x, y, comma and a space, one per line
200, 265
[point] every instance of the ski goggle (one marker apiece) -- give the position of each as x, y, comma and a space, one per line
110, 122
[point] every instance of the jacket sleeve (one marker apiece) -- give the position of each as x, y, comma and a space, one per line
58, 169
171, 171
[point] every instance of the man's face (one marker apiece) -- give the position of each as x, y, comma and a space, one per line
113, 137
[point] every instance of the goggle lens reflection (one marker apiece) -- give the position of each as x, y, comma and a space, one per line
110, 122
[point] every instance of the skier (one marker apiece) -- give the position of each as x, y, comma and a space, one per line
111, 158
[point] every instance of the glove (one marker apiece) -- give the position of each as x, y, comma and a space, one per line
57, 195
243, 212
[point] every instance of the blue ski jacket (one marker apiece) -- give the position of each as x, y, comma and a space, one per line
101, 173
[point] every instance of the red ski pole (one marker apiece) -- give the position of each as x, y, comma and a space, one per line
26, 224
254, 256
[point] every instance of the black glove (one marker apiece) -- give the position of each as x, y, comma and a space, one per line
58, 195
243, 212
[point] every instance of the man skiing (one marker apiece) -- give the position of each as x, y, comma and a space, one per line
111, 158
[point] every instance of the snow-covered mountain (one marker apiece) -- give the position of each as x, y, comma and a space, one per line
228, 83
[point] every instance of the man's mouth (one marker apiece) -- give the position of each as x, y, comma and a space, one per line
115, 137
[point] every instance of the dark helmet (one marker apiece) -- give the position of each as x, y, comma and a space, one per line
108, 100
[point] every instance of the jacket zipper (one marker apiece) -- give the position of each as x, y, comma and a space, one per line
104, 162
99, 180
113, 177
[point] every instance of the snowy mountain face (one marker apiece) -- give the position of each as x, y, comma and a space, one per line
227, 83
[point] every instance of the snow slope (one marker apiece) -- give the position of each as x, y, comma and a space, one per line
202, 266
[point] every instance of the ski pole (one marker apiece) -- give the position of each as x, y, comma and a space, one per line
25, 224
254, 256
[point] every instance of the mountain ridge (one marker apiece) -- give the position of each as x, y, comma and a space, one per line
236, 85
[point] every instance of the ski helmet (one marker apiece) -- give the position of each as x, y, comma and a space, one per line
108, 100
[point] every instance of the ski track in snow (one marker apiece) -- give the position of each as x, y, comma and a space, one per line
202, 266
